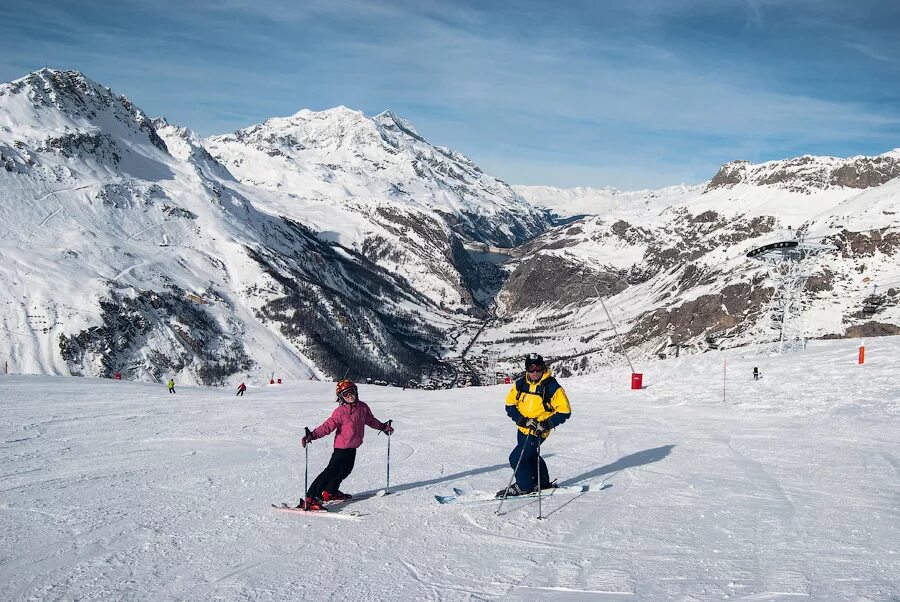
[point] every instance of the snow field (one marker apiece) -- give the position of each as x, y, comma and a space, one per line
786, 490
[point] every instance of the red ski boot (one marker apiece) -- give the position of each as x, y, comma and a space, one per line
311, 504
337, 496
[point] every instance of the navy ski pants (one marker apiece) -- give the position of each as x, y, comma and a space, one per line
527, 475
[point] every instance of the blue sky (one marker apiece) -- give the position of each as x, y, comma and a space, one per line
592, 93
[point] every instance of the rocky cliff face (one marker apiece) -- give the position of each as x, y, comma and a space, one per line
807, 174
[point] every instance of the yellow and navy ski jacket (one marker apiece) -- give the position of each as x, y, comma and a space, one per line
544, 400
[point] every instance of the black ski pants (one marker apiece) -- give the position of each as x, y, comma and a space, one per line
339, 468
527, 449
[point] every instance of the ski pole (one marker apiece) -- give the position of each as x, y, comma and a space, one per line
387, 487
306, 470
515, 470
540, 512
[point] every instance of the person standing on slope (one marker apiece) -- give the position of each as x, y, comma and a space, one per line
171, 384
537, 404
241, 388
349, 420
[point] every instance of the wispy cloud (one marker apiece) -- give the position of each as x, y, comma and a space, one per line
872, 52
622, 94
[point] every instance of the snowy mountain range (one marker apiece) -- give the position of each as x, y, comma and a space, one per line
673, 261
331, 243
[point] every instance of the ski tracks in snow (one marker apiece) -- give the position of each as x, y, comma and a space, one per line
47, 218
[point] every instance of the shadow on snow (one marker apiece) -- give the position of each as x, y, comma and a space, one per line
648, 456
442, 479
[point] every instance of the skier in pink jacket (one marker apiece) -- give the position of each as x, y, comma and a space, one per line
349, 420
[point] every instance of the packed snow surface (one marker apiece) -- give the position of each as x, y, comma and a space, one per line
722, 487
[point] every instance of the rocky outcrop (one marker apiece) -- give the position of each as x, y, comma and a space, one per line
547, 280
866, 172
154, 334
729, 174
708, 316
866, 244
690, 237
807, 173
871, 329
101, 146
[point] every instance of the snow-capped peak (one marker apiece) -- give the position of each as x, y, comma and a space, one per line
343, 155
68, 91
74, 108
184, 144
338, 112
389, 119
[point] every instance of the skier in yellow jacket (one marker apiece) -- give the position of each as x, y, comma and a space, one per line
537, 404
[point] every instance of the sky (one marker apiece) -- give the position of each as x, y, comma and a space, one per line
568, 93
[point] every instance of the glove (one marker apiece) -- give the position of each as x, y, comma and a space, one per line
307, 439
388, 429
537, 427
522, 421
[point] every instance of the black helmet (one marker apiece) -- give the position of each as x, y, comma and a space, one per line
533, 360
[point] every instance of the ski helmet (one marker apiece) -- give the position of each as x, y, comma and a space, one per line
533, 360
345, 385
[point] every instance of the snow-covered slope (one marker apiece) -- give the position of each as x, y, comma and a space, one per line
572, 202
785, 489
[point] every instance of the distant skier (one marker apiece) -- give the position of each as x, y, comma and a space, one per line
755, 373
537, 404
241, 388
171, 384
349, 419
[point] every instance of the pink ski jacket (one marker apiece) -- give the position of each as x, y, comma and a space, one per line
350, 420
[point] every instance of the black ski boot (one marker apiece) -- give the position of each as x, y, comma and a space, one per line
511, 491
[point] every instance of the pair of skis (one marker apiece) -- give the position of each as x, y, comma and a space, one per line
345, 515
341, 514
461, 496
